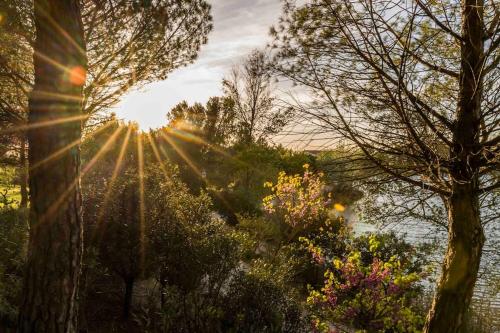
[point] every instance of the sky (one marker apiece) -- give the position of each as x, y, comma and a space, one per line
239, 27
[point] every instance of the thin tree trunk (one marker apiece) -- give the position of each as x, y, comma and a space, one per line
163, 290
127, 303
55, 247
23, 161
465, 232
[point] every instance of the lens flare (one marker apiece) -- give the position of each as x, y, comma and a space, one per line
339, 207
77, 76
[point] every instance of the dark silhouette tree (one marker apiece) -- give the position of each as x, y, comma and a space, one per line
213, 122
257, 111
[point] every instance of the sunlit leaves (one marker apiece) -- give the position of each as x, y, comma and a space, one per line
298, 199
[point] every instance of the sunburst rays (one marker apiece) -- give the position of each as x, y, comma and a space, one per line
114, 176
183, 155
40, 94
61, 30
190, 163
157, 155
169, 135
52, 210
45, 123
190, 137
142, 206
61, 151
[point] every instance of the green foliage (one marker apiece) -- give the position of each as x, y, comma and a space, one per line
13, 243
144, 226
301, 203
414, 258
371, 281
257, 303
240, 176
196, 260
232, 175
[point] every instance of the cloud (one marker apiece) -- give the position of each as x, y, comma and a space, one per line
239, 27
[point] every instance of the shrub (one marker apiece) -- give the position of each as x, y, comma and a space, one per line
257, 301
366, 289
13, 242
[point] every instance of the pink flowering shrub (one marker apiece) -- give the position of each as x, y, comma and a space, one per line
370, 283
374, 297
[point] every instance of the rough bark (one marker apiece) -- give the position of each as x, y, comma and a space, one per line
54, 255
23, 161
465, 232
461, 265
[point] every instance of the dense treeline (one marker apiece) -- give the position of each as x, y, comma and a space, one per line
162, 256
225, 251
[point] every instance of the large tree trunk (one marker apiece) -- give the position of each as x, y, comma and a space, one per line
23, 161
465, 232
55, 247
